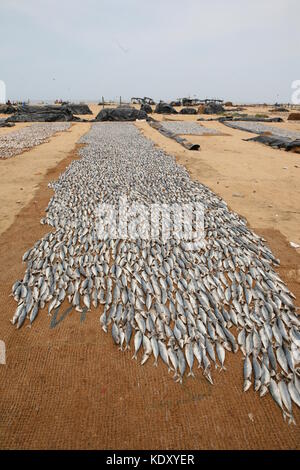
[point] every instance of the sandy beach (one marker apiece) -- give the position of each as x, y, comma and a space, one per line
66, 386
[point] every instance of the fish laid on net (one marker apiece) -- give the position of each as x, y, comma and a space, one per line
186, 307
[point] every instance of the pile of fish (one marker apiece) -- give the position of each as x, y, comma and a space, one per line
185, 127
261, 128
186, 308
17, 141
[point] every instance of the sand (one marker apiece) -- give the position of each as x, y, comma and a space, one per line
251, 177
21, 174
69, 387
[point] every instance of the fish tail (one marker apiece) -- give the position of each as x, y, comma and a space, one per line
292, 420
155, 363
191, 374
144, 359
247, 385
257, 385
263, 391
134, 356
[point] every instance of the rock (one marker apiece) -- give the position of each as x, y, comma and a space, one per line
228, 103
147, 108
188, 111
164, 108
294, 117
121, 113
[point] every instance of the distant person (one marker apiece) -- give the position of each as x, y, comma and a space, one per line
8, 103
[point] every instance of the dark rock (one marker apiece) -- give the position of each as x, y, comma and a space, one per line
164, 108
147, 108
122, 113
188, 111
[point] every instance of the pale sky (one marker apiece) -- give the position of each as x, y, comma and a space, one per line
239, 50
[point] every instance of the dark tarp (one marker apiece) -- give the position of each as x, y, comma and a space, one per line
78, 108
213, 108
122, 113
164, 108
188, 111
175, 103
294, 117
277, 142
7, 109
250, 119
42, 114
147, 108
278, 110
3, 123
185, 143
